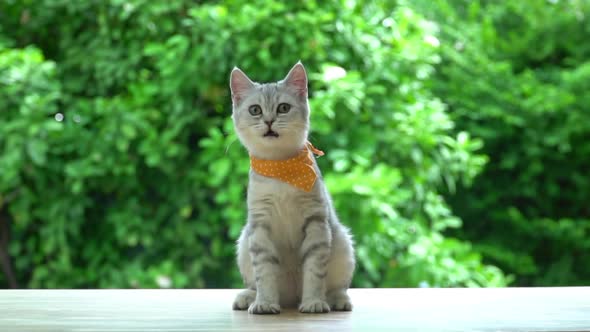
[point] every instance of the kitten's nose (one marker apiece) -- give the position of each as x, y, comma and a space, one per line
269, 122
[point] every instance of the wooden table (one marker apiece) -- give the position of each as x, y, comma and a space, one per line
506, 309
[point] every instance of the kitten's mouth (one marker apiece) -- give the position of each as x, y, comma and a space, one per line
271, 133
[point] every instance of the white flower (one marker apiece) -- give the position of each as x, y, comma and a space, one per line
164, 282
432, 40
332, 73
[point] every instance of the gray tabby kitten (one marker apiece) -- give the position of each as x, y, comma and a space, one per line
293, 250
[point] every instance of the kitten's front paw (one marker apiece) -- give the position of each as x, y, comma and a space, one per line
262, 308
342, 305
314, 306
339, 301
244, 299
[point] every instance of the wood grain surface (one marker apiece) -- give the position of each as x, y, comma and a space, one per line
501, 309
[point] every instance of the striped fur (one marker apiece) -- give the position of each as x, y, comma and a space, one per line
293, 251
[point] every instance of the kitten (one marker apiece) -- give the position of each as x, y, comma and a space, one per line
293, 250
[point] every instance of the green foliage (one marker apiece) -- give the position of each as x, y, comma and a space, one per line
517, 75
143, 181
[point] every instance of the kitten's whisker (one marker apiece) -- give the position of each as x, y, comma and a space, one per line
293, 125
230, 144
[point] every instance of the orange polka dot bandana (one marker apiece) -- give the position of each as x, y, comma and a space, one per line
297, 171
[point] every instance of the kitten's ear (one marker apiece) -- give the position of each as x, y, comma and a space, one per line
239, 84
297, 79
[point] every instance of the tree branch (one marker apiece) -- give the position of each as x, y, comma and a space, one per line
4, 254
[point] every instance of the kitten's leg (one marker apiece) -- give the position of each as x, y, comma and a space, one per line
340, 269
315, 252
265, 261
246, 297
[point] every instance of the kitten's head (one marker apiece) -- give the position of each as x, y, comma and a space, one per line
271, 119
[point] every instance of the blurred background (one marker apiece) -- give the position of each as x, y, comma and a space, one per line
457, 135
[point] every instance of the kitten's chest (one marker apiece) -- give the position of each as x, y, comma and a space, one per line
287, 219
287, 208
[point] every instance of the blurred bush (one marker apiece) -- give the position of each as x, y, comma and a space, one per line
120, 168
517, 75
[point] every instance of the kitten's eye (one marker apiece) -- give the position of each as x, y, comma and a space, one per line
283, 108
255, 110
